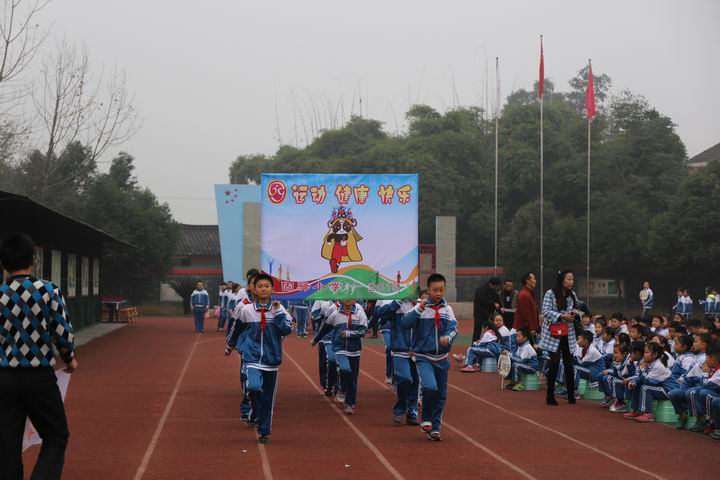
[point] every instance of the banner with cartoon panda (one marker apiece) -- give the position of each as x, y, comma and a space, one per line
332, 237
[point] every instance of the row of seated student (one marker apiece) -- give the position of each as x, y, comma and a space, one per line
631, 361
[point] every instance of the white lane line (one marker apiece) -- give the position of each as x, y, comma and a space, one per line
549, 429
161, 424
265, 462
384, 461
473, 442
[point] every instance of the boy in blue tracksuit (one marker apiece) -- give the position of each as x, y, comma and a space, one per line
523, 360
262, 326
692, 378
327, 366
222, 305
404, 368
699, 398
591, 363
348, 325
434, 329
199, 304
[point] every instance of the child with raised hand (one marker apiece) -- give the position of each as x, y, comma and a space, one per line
489, 346
262, 324
524, 360
653, 382
435, 328
348, 325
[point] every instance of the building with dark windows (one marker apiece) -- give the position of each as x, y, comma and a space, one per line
197, 256
69, 253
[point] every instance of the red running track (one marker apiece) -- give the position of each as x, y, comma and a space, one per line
156, 401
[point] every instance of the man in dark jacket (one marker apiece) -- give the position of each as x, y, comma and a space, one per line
508, 303
485, 303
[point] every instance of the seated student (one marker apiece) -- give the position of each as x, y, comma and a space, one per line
524, 360
637, 332
587, 323
685, 358
619, 373
691, 379
693, 326
653, 382
598, 329
663, 342
327, 366
706, 391
618, 322
592, 362
623, 338
489, 346
675, 329
348, 325
607, 345
657, 326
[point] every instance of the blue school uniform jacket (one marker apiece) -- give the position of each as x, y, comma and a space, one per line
427, 333
400, 338
320, 312
526, 355
594, 361
354, 323
656, 374
683, 364
261, 348
199, 299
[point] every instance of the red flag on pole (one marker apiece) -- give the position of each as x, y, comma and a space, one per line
541, 81
590, 94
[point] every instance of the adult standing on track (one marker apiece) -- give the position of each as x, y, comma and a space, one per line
527, 309
508, 303
558, 333
32, 317
486, 301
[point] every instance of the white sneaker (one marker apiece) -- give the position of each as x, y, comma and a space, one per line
618, 408
459, 358
426, 427
340, 397
388, 380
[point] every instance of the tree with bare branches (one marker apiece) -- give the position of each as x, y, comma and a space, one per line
72, 106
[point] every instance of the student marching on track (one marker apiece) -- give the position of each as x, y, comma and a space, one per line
199, 303
321, 311
434, 328
262, 325
404, 367
349, 325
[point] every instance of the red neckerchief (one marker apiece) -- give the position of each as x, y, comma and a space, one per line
263, 319
349, 315
437, 309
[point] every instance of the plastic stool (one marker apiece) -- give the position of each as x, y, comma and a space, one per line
530, 381
582, 387
593, 393
664, 412
489, 364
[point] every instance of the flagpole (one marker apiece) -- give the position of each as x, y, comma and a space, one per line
497, 123
542, 186
587, 284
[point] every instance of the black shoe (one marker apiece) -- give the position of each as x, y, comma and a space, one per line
571, 400
244, 417
412, 421
328, 392
264, 438
551, 401
251, 423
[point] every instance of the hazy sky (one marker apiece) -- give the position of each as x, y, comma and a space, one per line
214, 79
